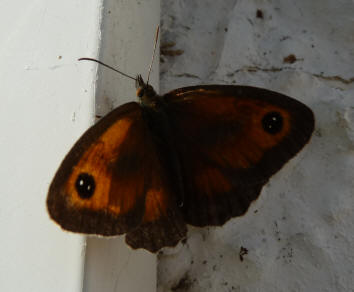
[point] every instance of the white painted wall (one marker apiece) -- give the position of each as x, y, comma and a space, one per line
302, 236
47, 102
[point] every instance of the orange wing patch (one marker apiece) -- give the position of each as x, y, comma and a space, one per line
96, 189
95, 161
247, 145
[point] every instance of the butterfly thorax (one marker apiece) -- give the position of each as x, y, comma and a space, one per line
146, 93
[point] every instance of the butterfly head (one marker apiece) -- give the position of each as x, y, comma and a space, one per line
145, 92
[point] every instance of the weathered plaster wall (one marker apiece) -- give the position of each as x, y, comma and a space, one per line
299, 233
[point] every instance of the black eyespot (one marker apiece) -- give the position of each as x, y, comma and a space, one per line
85, 185
272, 122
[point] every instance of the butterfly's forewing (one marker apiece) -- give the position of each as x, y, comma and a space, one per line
110, 183
111, 199
230, 140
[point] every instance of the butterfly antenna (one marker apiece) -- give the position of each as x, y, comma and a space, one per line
103, 64
153, 54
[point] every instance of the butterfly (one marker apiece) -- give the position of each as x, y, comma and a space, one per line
197, 155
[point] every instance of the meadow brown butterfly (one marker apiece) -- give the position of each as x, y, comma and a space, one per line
197, 155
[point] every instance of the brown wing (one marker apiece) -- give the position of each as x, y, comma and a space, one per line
230, 140
110, 181
162, 224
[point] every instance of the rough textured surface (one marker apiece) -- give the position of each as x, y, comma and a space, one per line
299, 234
